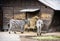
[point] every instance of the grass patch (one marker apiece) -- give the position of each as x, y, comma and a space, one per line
47, 37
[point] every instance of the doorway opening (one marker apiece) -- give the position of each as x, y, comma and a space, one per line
56, 21
32, 18
1, 19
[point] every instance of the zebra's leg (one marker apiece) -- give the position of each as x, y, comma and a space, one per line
10, 28
9, 31
22, 29
15, 25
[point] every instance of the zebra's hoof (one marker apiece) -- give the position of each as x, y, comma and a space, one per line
9, 33
15, 32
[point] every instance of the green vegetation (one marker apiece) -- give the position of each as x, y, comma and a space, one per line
47, 37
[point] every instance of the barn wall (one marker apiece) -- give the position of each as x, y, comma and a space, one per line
9, 13
46, 15
11, 9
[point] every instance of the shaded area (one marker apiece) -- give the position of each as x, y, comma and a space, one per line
55, 25
1, 19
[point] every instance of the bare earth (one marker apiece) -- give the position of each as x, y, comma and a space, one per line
24, 37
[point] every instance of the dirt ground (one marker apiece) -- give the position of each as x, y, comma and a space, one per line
30, 39
26, 36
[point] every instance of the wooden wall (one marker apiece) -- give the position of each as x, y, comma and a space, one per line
46, 15
9, 13
12, 10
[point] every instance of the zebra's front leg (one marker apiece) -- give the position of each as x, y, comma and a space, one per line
9, 31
